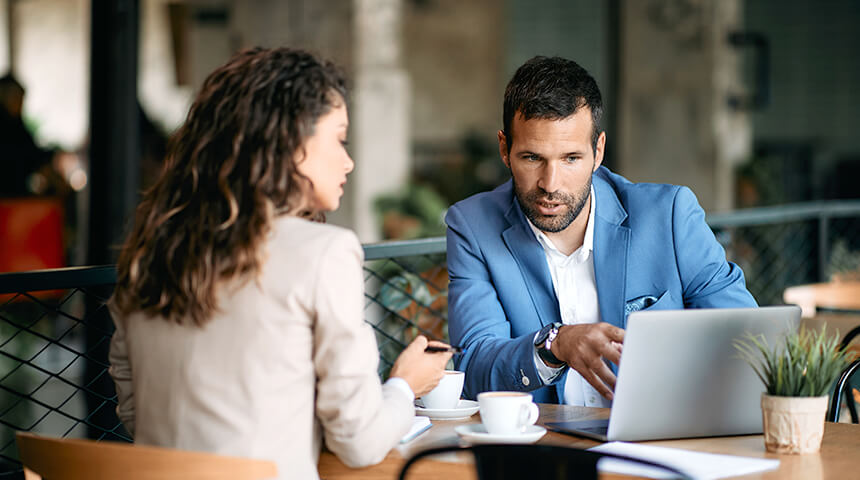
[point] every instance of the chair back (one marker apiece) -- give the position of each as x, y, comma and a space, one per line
503, 462
72, 459
849, 343
842, 387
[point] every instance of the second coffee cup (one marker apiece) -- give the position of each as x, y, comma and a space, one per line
446, 395
507, 413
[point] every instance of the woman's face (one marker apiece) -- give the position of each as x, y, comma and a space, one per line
326, 162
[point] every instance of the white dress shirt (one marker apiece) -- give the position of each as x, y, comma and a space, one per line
576, 290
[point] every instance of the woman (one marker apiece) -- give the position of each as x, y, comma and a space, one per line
239, 320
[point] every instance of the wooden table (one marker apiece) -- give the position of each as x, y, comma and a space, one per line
839, 456
838, 295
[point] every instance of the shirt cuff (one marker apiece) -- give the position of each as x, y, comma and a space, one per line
546, 373
399, 384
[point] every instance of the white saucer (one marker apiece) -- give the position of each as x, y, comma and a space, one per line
476, 433
464, 409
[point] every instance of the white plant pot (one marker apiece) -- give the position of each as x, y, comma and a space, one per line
793, 424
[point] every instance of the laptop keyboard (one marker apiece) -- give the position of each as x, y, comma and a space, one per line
597, 430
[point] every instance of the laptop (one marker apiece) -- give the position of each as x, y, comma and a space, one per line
681, 377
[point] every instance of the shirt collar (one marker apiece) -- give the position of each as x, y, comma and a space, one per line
587, 242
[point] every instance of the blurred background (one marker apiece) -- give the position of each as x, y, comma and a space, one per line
750, 103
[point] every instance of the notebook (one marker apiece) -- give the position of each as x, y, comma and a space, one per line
420, 425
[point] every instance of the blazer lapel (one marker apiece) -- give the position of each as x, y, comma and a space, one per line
611, 240
531, 259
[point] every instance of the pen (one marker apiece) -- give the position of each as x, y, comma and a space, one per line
411, 435
452, 349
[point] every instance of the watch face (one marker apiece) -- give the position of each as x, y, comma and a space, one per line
542, 335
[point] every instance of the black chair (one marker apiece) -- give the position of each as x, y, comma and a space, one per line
843, 387
502, 462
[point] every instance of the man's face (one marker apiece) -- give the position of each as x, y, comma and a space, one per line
551, 162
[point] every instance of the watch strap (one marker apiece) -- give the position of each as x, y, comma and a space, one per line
544, 346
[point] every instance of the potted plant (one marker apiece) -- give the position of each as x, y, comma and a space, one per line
798, 373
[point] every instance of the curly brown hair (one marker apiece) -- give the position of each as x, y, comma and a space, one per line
230, 169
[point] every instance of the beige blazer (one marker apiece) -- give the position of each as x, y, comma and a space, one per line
285, 361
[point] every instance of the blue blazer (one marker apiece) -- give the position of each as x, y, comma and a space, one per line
652, 249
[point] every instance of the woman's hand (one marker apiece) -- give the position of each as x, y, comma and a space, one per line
422, 371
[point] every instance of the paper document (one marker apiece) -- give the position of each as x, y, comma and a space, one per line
419, 425
698, 465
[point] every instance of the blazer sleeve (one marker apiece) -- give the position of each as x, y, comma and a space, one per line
362, 420
120, 371
708, 279
493, 358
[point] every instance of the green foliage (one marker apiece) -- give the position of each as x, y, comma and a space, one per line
394, 296
844, 262
805, 365
417, 202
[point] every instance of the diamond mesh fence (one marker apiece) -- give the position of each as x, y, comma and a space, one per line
53, 368
404, 297
775, 254
55, 329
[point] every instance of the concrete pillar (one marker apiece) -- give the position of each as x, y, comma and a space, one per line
163, 99
6, 50
677, 72
380, 112
733, 129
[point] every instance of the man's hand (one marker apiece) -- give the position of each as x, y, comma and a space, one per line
584, 348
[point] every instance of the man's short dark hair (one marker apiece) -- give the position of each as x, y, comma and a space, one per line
551, 88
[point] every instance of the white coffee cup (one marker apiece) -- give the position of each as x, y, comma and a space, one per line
446, 395
507, 413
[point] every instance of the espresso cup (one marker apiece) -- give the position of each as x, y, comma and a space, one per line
507, 413
446, 395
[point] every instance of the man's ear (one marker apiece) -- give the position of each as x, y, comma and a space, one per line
599, 150
503, 149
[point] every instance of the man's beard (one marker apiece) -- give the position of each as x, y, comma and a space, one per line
552, 223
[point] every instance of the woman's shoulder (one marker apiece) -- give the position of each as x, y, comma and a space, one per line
298, 234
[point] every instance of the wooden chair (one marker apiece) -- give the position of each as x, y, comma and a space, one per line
70, 459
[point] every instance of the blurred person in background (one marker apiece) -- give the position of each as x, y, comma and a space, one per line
26, 168
239, 315
36, 210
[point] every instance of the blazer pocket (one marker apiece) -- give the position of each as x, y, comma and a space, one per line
649, 302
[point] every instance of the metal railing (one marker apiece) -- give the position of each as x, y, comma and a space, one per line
778, 247
54, 327
406, 292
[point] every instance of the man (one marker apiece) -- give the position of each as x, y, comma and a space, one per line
545, 268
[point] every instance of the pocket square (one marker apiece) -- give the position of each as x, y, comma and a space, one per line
639, 303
